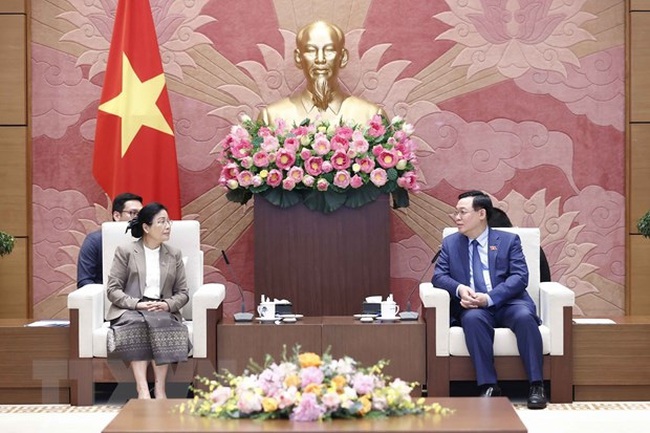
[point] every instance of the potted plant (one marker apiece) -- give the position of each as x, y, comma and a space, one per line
644, 225
6, 243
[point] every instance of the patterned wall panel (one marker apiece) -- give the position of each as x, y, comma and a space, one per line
524, 100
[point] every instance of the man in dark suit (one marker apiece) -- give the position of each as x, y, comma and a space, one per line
485, 273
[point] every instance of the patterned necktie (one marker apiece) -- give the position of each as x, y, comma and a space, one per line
477, 270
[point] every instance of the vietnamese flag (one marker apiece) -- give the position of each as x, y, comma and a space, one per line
135, 150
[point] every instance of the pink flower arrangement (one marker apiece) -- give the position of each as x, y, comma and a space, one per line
307, 387
289, 165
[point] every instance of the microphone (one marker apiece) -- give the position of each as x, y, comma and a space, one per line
413, 315
242, 316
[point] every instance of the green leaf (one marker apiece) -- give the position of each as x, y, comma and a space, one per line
239, 195
361, 196
324, 201
400, 198
281, 197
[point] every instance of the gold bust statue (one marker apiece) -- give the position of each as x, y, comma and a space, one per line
320, 53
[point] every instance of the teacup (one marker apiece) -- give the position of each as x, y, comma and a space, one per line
389, 309
266, 310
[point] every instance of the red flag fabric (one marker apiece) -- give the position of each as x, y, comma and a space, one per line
135, 150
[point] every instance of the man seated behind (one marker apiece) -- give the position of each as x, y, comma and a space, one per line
486, 275
89, 264
320, 53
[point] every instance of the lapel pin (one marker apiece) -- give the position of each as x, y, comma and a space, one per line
493, 247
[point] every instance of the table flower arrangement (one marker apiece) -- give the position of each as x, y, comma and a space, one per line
323, 165
306, 387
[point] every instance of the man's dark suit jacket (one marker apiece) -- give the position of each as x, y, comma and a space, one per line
508, 270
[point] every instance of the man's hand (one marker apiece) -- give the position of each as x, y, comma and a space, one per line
469, 299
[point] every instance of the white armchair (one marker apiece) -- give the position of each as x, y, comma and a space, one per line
88, 307
447, 355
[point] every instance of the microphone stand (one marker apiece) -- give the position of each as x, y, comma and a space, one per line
413, 315
242, 316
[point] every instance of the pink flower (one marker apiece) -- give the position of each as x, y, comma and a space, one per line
246, 162
359, 143
240, 149
309, 375
280, 126
292, 144
305, 154
249, 402
331, 400
230, 171
270, 144
344, 132
342, 179
274, 178
367, 164
376, 127
363, 383
377, 149
257, 180
387, 159
308, 181
314, 165
356, 181
339, 143
261, 159
408, 181
220, 395
284, 159
245, 178
327, 167
322, 184
379, 177
288, 184
287, 397
239, 132
308, 409
264, 132
340, 160
321, 144
296, 173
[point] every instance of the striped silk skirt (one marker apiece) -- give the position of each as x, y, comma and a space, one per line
145, 335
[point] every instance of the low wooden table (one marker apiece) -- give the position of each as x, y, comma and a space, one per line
472, 414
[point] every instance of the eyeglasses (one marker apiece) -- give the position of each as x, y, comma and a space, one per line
132, 213
459, 213
163, 222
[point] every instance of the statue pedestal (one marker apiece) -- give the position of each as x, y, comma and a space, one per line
325, 264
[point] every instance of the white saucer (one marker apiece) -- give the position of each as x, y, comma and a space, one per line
290, 316
361, 316
388, 319
266, 319
289, 320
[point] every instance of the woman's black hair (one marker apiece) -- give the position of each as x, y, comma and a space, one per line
145, 216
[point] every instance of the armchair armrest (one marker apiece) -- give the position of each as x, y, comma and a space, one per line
208, 296
553, 298
89, 300
432, 297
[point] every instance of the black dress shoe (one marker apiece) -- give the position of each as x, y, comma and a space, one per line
536, 397
490, 390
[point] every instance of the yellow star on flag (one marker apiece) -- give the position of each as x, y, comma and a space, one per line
136, 104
